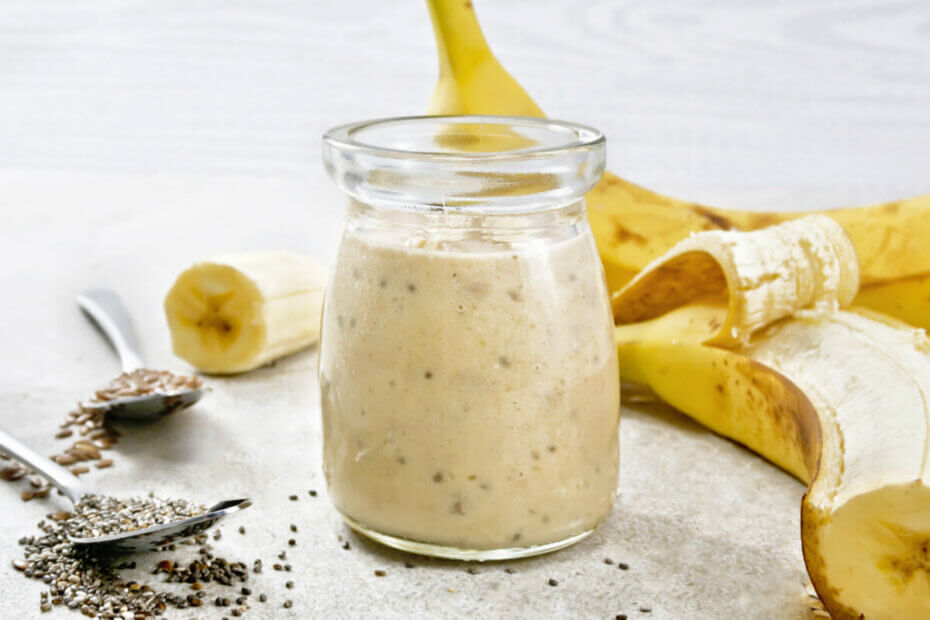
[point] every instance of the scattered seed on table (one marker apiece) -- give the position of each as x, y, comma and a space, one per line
409, 564
65, 433
645, 609
623, 565
293, 498
380, 573
240, 600
246, 591
292, 542
608, 561
312, 492
262, 598
553, 582
293, 527
288, 604
287, 568
282, 555
277, 567
289, 585
346, 546
235, 613
77, 470
242, 529
621, 617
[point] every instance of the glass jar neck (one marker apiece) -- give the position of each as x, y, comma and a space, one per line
408, 226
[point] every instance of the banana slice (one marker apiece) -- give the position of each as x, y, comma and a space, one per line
236, 312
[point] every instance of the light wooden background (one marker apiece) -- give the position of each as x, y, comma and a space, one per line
762, 103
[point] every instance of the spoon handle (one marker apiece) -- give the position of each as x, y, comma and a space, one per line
104, 308
64, 480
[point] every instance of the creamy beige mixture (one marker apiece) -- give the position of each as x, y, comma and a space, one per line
470, 396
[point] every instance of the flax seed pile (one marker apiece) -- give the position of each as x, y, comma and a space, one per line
94, 428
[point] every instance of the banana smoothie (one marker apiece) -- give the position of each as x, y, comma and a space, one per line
470, 391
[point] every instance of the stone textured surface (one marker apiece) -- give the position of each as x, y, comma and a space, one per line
709, 530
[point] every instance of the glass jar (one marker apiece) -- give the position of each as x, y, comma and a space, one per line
468, 373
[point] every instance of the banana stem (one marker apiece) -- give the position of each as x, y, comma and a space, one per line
459, 39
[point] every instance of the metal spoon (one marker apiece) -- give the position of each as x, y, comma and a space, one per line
147, 539
104, 308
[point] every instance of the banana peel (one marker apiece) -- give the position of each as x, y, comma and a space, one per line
633, 225
836, 397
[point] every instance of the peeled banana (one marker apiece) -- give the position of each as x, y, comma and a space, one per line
236, 312
633, 225
838, 398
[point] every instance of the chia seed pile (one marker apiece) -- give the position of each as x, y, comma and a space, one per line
93, 585
98, 515
94, 427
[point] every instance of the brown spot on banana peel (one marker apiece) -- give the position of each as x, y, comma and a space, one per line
685, 277
623, 235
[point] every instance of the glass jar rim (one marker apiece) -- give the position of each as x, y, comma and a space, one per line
347, 137
484, 163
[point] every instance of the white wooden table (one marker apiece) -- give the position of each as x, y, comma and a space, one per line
136, 137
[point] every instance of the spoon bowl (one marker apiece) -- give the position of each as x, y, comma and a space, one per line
157, 536
104, 308
148, 406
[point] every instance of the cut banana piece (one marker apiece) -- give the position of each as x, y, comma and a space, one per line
840, 399
236, 312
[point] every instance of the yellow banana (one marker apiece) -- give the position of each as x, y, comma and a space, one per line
633, 225
837, 398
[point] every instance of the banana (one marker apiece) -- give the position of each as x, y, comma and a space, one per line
838, 398
633, 225
236, 312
